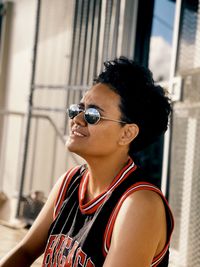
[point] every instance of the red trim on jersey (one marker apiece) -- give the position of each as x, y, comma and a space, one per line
109, 228
63, 188
91, 206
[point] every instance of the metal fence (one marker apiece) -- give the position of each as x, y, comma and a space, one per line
185, 175
185, 156
189, 38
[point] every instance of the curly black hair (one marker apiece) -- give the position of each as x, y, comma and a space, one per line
142, 101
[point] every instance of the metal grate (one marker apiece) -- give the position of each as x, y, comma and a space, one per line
185, 155
189, 42
185, 174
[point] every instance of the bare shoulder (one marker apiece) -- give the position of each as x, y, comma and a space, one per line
144, 208
149, 201
139, 232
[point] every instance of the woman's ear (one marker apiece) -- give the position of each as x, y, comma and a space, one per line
129, 133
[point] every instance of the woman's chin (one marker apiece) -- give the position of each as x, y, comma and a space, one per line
72, 147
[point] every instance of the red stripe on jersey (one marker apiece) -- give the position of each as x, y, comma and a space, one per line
63, 188
92, 205
111, 222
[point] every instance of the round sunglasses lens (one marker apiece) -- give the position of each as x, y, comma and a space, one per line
92, 115
73, 111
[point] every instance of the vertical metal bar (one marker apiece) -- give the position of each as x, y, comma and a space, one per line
29, 115
121, 27
73, 41
82, 35
77, 42
175, 38
53, 164
106, 41
111, 30
78, 56
90, 42
102, 26
3, 151
96, 55
20, 152
116, 30
72, 63
35, 137
87, 61
83, 40
93, 55
127, 31
167, 139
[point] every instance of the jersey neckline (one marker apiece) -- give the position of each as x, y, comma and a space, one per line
92, 205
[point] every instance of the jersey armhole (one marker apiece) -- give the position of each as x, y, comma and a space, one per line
63, 189
110, 225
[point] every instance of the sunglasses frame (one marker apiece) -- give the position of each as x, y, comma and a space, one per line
80, 110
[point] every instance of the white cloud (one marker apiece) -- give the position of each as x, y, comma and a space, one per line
159, 58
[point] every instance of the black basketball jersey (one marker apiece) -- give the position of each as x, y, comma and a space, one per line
80, 234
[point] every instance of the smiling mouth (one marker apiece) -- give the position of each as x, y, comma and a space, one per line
75, 133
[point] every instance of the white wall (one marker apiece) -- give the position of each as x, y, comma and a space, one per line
17, 87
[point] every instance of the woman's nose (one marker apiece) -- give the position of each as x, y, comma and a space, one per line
79, 119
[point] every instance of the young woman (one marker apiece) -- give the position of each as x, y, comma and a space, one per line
107, 212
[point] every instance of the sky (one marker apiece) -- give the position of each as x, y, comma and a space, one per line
163, 19
161, 39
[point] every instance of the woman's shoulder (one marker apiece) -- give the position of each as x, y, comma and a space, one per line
140, 225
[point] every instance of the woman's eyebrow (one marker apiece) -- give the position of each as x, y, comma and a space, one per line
91, 106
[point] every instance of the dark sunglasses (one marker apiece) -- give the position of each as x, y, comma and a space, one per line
91, 115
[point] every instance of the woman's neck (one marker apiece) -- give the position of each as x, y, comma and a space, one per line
102, 172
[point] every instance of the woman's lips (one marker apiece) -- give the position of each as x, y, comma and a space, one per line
77, 133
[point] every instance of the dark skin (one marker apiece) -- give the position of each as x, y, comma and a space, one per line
139, 232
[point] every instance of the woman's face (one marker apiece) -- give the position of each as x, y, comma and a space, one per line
101, 139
